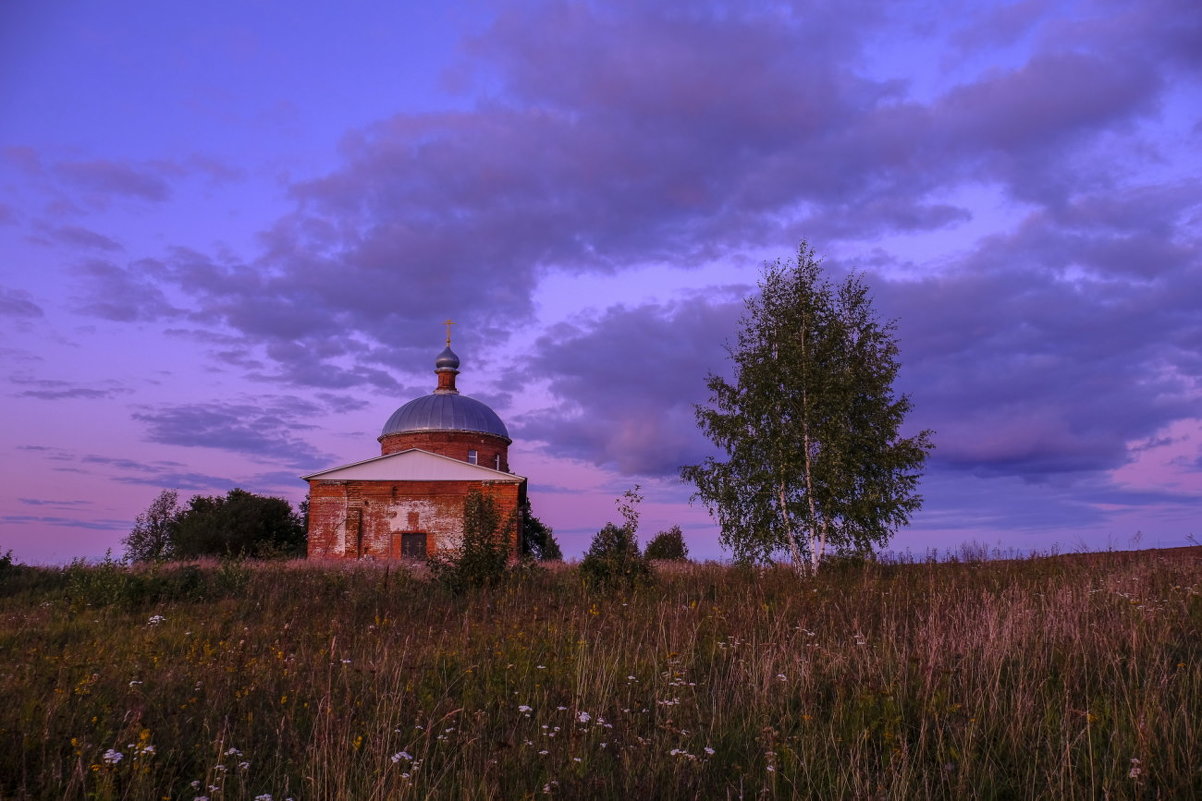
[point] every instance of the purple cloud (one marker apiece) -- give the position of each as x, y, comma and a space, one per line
117, 179
265, 428
18, 303
78, 237
123, 294
627, 382
54, 389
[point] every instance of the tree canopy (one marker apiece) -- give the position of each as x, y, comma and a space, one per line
150, 540
239, 523
667, 545
810, 424
538, 539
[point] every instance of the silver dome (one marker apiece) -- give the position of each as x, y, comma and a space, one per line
447, 360
445, 412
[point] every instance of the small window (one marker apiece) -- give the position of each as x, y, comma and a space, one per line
413, 546
473, 457
496, 462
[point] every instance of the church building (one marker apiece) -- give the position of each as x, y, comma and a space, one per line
407, 503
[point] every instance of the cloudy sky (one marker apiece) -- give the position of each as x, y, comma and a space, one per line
229, 232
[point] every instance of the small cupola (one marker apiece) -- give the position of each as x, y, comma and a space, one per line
446, 367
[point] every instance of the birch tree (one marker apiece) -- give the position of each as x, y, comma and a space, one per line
816, 463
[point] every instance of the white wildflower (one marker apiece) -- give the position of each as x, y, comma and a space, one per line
112, 757
584, 717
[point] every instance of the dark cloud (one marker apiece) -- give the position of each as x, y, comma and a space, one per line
1057, 350
265, 428
342, 403
65, 522
55, 503
180, 480
1025, 368
627, 382
54, 389
77, 237
18, 303
114, 178
123, 294
620, 135
162, 473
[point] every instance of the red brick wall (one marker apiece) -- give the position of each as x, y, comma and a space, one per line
353, 519
455, 444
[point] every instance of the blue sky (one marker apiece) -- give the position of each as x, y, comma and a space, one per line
229, 232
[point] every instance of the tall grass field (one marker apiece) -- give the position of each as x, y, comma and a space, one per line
1064, 677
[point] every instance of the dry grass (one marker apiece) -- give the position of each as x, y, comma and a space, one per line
1065, 677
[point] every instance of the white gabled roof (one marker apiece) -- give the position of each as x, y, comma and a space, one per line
413, 465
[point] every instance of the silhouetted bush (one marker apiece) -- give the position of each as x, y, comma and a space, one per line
668, 546
613, 559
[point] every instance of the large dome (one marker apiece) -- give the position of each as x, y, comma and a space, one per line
445, 412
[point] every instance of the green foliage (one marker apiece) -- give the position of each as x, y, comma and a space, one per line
538, 540
151, 538
110, 583
481, 559
810, 424
613, 557
102, 584
668, 546
237, 525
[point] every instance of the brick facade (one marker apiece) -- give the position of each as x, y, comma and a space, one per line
369, 519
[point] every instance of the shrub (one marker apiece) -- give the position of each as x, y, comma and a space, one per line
481, 559
613, 559
102, 584
668, 545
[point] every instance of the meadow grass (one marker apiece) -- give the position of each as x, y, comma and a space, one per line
1068, 677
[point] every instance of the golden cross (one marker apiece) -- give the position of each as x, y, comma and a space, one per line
448, 324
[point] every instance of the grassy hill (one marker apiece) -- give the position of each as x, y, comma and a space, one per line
1059, 677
